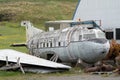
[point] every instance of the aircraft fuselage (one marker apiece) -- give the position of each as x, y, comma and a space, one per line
70, 44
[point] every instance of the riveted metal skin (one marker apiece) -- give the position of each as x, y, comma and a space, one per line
70, 44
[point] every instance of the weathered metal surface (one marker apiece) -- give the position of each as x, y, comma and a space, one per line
62, 24
31, 61
30, 31
111, 62
70, 44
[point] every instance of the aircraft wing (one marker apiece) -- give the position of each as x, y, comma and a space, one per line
31, 62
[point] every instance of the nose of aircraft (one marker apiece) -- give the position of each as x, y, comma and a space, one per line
104, 44
103, 47
99, 50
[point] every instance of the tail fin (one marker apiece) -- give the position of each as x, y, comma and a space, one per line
30, 29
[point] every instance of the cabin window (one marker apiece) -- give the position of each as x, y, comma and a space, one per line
59, 44
47, 44
43, 44
89, 36
50, 44
37, 45
117, 33
80, 37
109, 35
101, 34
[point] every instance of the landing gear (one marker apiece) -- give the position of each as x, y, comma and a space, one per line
53, 57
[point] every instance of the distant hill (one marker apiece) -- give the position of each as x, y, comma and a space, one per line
12, 12
36, 11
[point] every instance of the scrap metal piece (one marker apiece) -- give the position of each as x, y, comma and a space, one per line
31, 63
12, 66
100, 68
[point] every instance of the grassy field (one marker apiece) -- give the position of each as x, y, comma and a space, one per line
38, 11
11, 33
12, 12
10, 75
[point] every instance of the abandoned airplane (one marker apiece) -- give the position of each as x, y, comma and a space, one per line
73, 43
69, 45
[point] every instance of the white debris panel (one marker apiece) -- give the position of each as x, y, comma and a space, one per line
30, 60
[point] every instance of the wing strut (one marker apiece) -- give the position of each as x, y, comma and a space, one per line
13, 66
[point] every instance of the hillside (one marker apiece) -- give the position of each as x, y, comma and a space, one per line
12, 12
37, 11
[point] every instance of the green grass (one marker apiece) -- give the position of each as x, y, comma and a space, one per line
12, 12
11, 33
37, 11
10, 75
35, 0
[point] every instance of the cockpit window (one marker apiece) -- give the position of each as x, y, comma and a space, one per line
89, 36
101, 34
